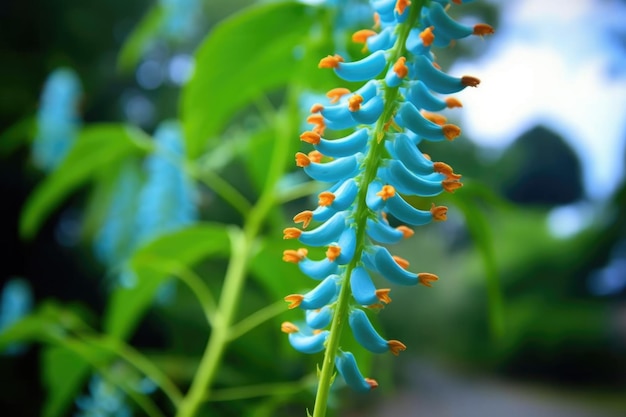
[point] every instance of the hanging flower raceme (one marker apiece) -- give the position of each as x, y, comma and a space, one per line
371, 171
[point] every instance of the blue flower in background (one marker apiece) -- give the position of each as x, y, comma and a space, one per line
16, 301
116, 240
58, 121
105, 400
181, 18
167, 201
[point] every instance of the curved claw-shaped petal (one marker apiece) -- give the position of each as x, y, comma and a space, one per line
380, 231
438, 80
318, 297
318, 319
318, 270
368, 337
364, 69
406, 213
384, 264
323, 235
335, 170
347, 244
370, 111
412, 119
348, 369
411, 157
349, 145
362, 287
408, 183
308, 344
422, 98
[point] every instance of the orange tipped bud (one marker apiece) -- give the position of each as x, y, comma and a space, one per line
426, 278
291, 233
354, 102
400, 67
401, 5
302, 160
360, 36
326, 198
451, 131
427, 36
294, 300
315, 156
304, 217
451, 185
388, 191
469, 81
483, 29
310, 137
333, 252
331, 61
376, 20
294, 256
383, 295
336, 93
434, 117
427, 156
452, 102
439, 213
315, 119
316, 108
288, 327
401, 261
406, 231
445, 169
396, 346
372, 383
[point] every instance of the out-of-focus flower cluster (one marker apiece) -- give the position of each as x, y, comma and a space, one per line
371, 169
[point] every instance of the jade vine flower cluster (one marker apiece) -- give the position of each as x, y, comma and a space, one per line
371, 170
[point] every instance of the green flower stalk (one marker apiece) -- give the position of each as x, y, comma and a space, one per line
371, 171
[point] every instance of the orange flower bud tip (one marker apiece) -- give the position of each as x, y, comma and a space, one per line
333, 252
310, 137
427, 156
434, 117
407, 232
376, 18
401, 5
469, 81
336, 93
304, 217
316, 108
439, 213
396, 346
302, 160
291, 233
426, 278
451, 185
354, 102
360, 36
315, 119
294, 300
315, 156
372, 383
483, 29
437, 66
445, 169
377, 306
427, 36
451, 131
383, 295
452, 102
288, 327
326, 198
294, 256
401, 261
388, 191
331, 61
319, 129
400, 67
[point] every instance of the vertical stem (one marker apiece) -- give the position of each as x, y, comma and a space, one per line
242, 248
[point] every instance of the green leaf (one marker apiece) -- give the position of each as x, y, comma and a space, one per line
480, 230
139, 39
63, 374
151, 265
19, 133
239, 61
98, 146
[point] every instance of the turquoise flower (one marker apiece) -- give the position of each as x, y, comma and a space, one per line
372, 169
58, 120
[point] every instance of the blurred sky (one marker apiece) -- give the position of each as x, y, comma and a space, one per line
559, 63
